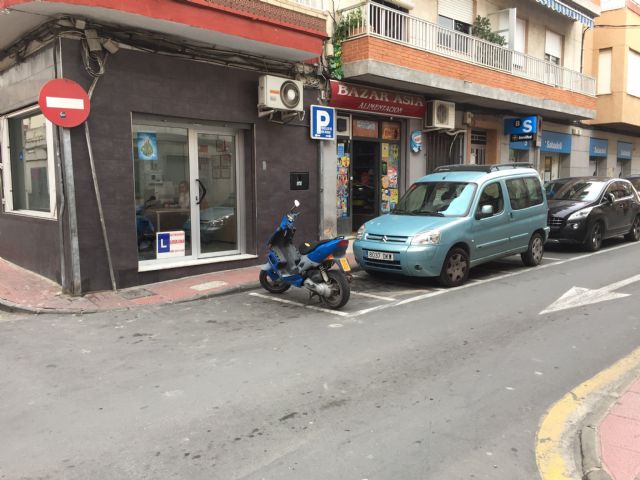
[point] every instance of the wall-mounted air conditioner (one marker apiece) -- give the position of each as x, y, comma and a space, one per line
440, 114
279, 93
343, 126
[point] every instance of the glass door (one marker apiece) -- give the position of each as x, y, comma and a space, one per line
162, 194
215, 183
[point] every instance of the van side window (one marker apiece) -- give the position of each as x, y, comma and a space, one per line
524, 192
492, 195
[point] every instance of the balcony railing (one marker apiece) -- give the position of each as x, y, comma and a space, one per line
379, 21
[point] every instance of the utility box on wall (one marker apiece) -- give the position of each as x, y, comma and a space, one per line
299, 181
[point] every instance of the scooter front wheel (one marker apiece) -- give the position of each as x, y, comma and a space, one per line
271, 285
340, 291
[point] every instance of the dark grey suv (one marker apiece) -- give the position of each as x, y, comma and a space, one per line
587, 210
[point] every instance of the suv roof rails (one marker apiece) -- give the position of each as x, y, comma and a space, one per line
481, 168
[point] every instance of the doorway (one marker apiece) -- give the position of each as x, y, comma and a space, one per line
365, 185
188, 184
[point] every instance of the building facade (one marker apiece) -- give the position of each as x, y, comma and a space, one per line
612, 53
183, 167
473, 89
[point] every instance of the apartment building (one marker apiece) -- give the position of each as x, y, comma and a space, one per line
612, 53
420, 88
183, 152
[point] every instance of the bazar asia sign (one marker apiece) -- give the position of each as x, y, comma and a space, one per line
373, 100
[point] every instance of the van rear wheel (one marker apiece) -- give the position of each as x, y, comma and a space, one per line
455, 269
533, 256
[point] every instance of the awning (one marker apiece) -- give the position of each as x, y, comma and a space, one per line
567, 11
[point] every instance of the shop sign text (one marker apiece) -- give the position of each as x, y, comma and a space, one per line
373, 100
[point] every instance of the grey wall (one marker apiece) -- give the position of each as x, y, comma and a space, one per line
160, 85
32, 243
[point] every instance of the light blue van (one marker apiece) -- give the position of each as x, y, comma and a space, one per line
455, 218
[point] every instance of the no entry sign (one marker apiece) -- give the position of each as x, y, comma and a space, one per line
64, 103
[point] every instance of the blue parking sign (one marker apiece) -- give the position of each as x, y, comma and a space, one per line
323, 122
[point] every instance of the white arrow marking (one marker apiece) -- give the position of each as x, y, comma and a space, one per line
578, 296
67, 103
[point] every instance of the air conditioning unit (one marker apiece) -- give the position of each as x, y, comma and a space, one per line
343, 126
279, 93
440, 114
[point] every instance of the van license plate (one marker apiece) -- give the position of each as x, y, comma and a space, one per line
380, 256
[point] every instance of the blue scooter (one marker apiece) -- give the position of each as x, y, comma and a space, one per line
310, 266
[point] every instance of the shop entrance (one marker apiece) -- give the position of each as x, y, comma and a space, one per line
365, 185
187, 183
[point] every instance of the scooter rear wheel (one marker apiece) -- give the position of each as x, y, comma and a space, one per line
271, 285
340, 290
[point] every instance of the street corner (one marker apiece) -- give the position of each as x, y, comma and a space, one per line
589, 433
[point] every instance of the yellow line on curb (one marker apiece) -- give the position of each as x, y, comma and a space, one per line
553, 454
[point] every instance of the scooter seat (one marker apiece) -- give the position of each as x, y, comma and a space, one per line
307, 247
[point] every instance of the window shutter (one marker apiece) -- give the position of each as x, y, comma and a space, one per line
461, 10
633, 86
604, 72
553, 44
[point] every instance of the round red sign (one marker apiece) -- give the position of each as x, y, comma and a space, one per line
64, 103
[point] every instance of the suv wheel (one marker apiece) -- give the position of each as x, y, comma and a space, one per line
634, 233
593, 241
455, 269
533, 256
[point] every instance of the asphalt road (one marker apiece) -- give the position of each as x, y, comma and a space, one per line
411, 382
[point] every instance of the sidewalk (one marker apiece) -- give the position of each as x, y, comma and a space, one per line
25, 291
619, 437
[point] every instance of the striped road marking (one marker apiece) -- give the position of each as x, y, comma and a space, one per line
423, 296
291, 302
371, 295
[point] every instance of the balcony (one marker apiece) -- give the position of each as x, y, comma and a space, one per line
421, 45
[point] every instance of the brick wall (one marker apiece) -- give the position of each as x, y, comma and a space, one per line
371, 48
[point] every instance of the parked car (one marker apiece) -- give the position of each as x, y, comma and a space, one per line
588, 210
552, 187
635, 181
456, 218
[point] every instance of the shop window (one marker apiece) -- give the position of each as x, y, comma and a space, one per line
28, 166
188, 182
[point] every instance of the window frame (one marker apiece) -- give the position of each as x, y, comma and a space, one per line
5, 162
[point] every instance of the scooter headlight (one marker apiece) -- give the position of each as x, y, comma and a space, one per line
360, 233
432, 237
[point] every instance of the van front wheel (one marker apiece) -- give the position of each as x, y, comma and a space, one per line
533, 256
455, 269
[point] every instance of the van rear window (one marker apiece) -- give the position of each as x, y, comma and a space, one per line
524, 192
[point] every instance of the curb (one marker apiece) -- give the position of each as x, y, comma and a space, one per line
589, 438
567, 441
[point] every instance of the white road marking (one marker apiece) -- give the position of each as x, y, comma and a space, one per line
487, 280
552, 258
371, 295
469, 284
579, 296
291, 302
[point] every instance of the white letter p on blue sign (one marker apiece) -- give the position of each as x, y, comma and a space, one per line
323, 122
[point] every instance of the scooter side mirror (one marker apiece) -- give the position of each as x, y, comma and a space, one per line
296, 203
